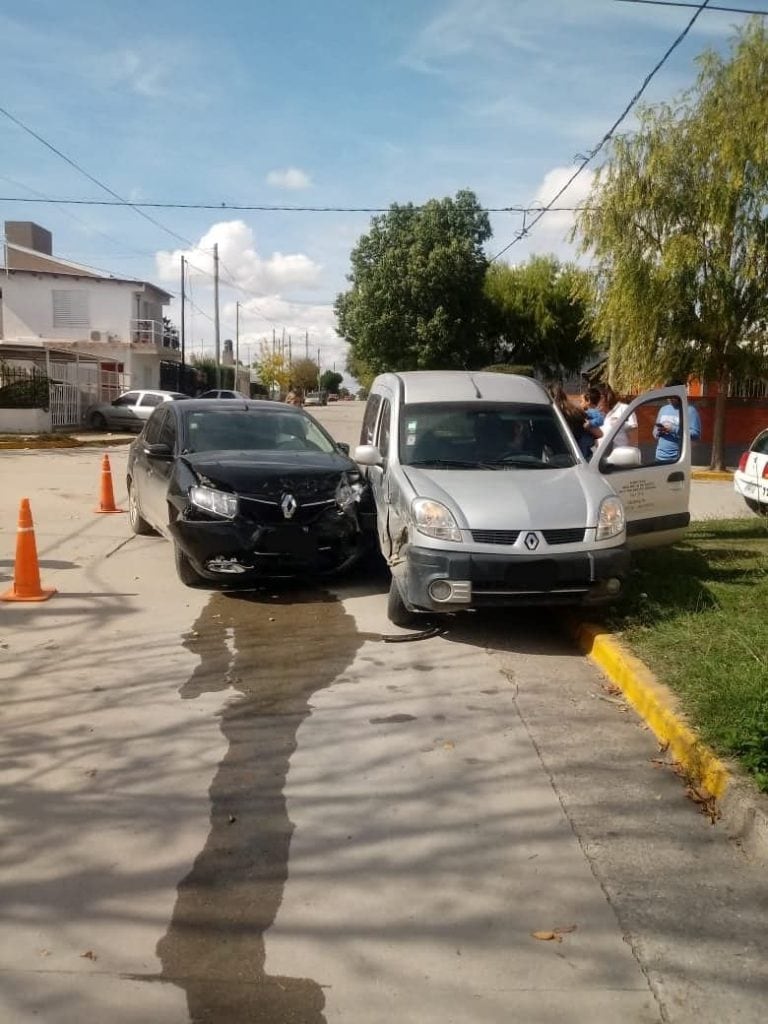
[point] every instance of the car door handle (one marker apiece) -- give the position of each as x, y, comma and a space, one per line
676, 478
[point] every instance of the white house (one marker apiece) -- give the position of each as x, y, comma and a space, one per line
53, 303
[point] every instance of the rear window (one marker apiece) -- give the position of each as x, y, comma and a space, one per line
482, 434
760, 444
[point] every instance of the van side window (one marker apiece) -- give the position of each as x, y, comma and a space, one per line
369, 419
384, 428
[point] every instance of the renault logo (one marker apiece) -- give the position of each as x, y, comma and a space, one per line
531, 541
289, 506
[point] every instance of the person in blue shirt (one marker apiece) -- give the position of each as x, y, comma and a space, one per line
594, 417
667, 428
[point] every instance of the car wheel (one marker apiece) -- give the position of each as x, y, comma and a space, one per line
139, 524
186, 572
97, 421
397, 613
756, 506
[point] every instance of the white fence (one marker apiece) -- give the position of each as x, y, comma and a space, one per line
65, 404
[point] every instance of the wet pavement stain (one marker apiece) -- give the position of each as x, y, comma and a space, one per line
275, 652
392, 720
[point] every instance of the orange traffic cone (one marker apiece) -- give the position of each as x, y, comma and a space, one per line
26, 574
107, 498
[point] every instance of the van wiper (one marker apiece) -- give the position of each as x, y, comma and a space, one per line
455, 464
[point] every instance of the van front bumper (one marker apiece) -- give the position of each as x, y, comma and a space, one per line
480, 580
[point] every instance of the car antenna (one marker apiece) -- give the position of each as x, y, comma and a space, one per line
474, 385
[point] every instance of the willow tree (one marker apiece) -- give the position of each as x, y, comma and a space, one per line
677, 227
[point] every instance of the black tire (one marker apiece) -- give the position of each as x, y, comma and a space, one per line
97, 421
139, 524
397, 613
756, 506
187, 573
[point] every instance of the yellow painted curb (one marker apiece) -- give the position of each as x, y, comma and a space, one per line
655, 704
711, 474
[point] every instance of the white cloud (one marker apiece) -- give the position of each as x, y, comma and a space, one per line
289, 178
550, 234
265, 309
239, 262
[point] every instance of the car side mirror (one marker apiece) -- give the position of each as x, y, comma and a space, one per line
343, 447
158, 451
368, 455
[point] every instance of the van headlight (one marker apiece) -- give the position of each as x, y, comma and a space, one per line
220, 503
435, 520
611, 520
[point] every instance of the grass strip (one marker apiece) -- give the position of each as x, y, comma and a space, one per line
697, 615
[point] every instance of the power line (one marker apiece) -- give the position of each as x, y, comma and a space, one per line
246, 207
525, 230
680, 3
90, 177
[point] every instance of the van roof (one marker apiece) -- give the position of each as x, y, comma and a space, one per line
423, 386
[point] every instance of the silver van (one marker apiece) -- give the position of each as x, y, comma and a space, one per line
483, 497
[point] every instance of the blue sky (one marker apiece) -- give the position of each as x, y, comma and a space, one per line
300, 102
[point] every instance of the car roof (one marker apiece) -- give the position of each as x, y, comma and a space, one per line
425, 386
235, 404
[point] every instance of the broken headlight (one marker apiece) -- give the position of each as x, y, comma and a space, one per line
349, 491
220, 503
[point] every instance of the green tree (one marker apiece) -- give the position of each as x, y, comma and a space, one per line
304, 374
360, 370
677, 227
273, 369
538, 312
330, 381
416, 301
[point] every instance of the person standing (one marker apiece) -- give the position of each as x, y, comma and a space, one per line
592, 432
666, 430
613, 412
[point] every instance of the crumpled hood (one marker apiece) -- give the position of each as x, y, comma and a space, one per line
248, 472
514, 499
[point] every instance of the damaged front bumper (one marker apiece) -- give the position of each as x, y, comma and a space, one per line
220, 548
439, 580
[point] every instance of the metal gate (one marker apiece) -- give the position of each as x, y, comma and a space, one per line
65, 404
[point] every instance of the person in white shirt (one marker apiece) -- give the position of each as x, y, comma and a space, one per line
613, 411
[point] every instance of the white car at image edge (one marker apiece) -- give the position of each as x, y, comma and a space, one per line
751, 478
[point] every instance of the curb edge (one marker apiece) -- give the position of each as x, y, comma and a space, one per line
739, 805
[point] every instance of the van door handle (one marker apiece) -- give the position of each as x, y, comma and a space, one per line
676, 478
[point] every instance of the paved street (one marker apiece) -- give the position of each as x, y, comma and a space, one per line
259, 808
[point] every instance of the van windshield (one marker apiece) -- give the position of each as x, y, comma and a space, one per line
482, 435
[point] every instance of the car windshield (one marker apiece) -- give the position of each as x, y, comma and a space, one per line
254, 430
482, 435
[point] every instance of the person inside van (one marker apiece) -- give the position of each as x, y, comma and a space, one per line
496, 437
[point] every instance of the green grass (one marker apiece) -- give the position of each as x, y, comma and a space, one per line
697, 614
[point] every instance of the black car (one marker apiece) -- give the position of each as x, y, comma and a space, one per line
246, 488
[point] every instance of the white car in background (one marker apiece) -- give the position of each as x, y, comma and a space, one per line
130, 411
751, 478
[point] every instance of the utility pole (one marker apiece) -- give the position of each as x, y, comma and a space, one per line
290, 352
216, 324
282, 345
318, 369
273, 341
237, 342
306, 344
182, 321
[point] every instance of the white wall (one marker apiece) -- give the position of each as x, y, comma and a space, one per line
28, 307
25, 421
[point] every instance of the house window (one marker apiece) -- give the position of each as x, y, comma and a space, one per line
70, 308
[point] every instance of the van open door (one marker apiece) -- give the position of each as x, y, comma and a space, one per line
646, 457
